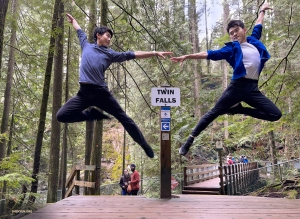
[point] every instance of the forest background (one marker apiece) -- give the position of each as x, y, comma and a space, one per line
40, 58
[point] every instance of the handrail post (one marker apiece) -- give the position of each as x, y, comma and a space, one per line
77, 178
219, 148
184, 177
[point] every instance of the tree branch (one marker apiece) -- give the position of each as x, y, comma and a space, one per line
284, 59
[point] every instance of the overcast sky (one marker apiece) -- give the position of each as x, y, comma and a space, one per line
214, 14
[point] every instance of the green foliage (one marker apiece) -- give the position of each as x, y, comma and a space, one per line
14, 173
15, 180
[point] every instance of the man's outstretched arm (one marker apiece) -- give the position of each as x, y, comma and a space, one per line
144, 55
180, 59
73, 22
261, 12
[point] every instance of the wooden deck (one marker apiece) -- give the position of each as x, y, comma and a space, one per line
211, 183
186, 206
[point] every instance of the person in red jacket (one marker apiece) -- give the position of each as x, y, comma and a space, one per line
135, 180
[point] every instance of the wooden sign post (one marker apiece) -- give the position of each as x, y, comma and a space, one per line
165, 97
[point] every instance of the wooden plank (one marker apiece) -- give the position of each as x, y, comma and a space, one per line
186, 206
202, 173
84, 184
70, 178
201, 166
85, 167
199, 180
69, 191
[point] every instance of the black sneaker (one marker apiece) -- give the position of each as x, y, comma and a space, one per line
95, 114
186, 146
234, 110
148, 150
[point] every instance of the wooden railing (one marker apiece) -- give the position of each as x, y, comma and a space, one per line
238, 177
199, 173
234, 179
74, 179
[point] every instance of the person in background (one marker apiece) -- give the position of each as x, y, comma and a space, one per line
241, 160
246, 160
135, 180
229, 161
124, 182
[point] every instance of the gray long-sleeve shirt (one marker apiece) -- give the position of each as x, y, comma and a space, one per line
96, 59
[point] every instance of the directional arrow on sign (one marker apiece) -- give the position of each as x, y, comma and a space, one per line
165, 126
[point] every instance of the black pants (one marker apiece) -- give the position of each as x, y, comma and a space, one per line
241, 90
134, 192
93, 95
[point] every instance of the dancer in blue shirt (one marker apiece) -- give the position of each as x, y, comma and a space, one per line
247, 56
95, 59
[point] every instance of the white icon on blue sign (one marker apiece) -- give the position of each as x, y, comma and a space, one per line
165, 126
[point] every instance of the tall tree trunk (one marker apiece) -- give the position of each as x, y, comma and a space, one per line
3, 10
98, 132
63, 163
9, 78
89, 127
43, 110
224, 65
193, 39
64, 157
7, 94
10, 133
206, 35
56, 104
272, 147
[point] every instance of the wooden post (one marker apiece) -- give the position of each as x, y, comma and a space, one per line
229, 180
184, 177
221, 173
226, 180
219, 148
234, 179
165, 154
77, 178
165, 96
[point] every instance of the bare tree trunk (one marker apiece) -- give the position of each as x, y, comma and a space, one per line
7, 94
57, 96
272, 147
64, 154
193, 38
9, 78
98, 132
206, 34
3, 10
10, 133
89, 127
224, 65
97, 155
43, 110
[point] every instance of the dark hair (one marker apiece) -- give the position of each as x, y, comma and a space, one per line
233, 23
132, 165
101, 30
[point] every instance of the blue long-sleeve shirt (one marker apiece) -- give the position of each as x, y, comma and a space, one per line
96, 59
232, 53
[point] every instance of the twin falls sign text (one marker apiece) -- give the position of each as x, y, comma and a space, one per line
165, 96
